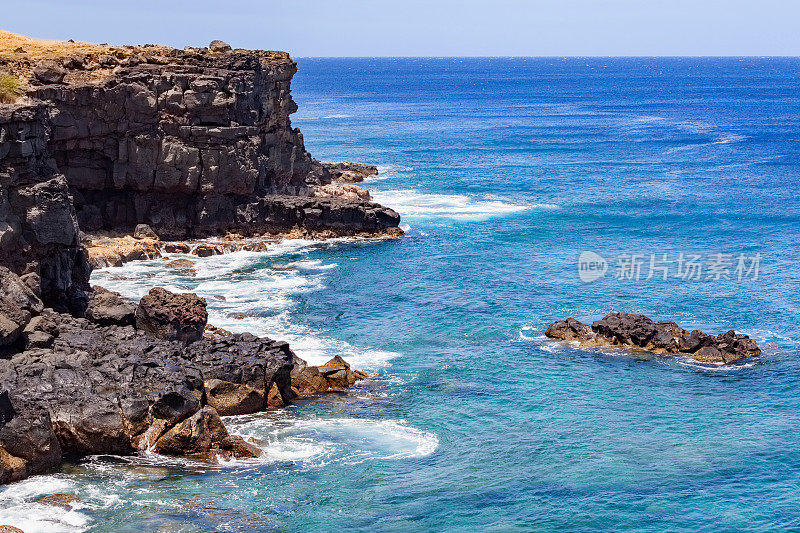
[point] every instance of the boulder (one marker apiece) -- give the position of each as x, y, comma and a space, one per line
334, 376
109, 308
237, 447
143, 231
49, 72
172, 316
219, 46
307, 380
735, 346
194, 435
230, 398
177, 248
568, 330
207, 250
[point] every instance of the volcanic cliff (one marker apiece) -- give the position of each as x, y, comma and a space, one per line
193, 142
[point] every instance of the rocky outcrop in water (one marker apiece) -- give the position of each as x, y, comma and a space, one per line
638, 332
347, 172
335, 375
71, 386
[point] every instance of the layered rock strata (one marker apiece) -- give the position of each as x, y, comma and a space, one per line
193, 143
638, 332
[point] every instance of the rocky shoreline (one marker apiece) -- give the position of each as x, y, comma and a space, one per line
113, 154
132, 377
115, 250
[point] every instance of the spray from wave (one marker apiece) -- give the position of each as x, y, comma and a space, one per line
253, 292
415, 204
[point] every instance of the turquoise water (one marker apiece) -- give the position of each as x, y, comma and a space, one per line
505, 170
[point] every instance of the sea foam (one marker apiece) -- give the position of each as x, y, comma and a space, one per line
413, 203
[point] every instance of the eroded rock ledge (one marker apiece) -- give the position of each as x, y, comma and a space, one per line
135, 377
638, 332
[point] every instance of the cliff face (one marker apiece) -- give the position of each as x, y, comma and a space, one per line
179, 145
192, 142
38, 226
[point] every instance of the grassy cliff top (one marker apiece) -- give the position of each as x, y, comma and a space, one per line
19, 55
15, 47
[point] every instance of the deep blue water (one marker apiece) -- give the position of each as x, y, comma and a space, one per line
505, 170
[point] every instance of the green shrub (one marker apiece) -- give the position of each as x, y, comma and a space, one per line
10, 88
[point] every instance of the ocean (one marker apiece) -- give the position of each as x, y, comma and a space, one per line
681, 176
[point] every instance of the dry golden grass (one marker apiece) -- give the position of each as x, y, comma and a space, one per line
10, 88
38, 49
20, 54
14, 46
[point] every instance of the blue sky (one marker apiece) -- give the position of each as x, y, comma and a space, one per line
427, 28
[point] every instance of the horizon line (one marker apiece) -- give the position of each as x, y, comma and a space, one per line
560, 57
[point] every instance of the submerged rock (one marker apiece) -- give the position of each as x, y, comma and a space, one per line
65, 500
664, 338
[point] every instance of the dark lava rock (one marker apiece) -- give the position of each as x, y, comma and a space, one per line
171, 316
664, 338
241, 369
143, 231
18, 304
335, 375
196, 434
49, 72
569, 329
111, 389
347, 172
109, 308
219, 46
